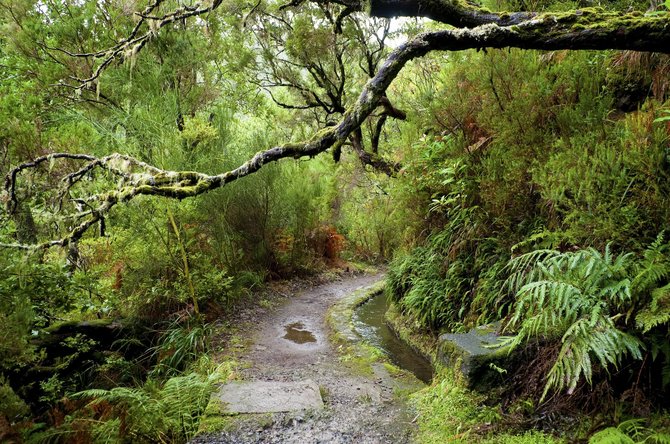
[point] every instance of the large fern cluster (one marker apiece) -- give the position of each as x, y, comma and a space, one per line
601, 307
451, 282
154, 412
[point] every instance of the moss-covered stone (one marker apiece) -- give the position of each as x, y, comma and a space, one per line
214, 419
477, 355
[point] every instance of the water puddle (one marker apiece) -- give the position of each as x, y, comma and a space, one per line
296, 332
369, 323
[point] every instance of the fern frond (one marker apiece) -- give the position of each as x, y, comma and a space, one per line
658, 438
635, 428
657, 312
654, 268
582, 340
522, 270
610, 435
92, 393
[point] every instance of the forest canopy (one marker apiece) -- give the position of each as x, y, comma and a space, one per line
476, 27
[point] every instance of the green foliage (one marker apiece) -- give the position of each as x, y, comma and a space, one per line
585, 299
665, 117
47, 287
652, 270
181, 344
447, 412
163, 412
370, 217
632, 431
12, 407
453, 280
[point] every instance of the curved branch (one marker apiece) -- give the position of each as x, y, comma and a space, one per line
135, 41
539, 33
376, 135
588, 28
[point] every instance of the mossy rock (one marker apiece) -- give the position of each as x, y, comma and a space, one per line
476, 355
215, 418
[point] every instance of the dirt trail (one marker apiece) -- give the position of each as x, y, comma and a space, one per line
358, 408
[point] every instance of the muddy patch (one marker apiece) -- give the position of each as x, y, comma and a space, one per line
298, 334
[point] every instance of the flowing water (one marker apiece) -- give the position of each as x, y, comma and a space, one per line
369, 323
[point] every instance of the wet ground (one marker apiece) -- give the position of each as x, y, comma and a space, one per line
291, 344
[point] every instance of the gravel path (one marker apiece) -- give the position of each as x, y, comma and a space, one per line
291, 343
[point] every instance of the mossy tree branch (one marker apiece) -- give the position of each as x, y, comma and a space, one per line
589, 29
459, 13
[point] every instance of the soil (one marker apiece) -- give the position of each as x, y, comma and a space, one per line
291, 343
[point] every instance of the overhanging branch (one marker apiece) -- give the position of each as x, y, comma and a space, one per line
542, 32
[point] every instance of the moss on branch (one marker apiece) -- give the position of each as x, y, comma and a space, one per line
589, 28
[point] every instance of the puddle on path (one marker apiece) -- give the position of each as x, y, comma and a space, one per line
296, 332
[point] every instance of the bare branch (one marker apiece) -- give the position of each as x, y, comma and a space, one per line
135, 41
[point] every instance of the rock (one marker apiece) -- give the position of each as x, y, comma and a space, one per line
476, 355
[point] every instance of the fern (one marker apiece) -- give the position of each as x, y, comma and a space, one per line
586, 300
169, 412
632, 431
583, 340
654, 268
576, 297
522, 269
657, 312
611, 435
658, 438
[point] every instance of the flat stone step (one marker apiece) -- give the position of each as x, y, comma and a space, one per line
269, 396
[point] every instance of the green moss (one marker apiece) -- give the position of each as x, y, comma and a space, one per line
529, 437
215, 419
322, 134
449, 412
352, 352
356, 354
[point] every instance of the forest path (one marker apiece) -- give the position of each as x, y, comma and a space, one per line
291, 344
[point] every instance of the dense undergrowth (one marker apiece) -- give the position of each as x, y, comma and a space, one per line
546, 209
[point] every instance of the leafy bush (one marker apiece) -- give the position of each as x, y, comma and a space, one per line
12, 407
181, 344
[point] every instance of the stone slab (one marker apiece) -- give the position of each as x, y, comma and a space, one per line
269, 396
472, 353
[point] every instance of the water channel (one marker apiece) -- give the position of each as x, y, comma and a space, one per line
369, 323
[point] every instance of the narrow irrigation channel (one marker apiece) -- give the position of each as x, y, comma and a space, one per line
369, 322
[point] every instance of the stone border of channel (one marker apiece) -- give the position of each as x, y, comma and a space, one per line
355, 351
